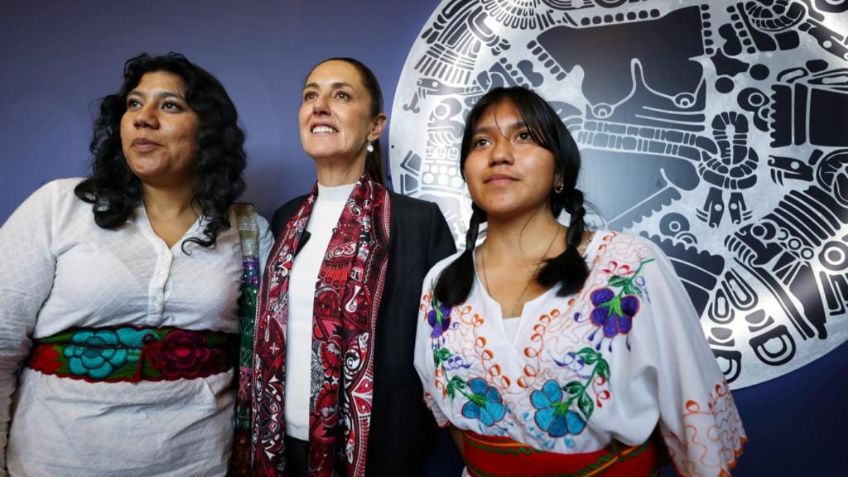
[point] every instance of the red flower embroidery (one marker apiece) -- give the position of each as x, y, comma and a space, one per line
184, 354
46, 359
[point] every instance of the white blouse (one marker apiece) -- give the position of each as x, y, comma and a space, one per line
59, 270
620, 358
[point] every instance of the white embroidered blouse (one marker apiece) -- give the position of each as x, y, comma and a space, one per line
59, 270
620, 358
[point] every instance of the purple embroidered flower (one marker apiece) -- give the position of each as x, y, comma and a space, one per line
613, 313
439, 319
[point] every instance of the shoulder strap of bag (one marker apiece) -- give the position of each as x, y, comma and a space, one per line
249, 235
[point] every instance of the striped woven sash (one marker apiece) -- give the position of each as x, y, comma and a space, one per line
491, 456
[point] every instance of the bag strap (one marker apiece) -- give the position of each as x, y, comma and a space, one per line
249, 236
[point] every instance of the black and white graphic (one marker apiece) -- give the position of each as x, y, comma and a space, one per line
717, 129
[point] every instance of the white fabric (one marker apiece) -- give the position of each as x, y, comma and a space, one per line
304, 277
59, 270
661, 371
510, 326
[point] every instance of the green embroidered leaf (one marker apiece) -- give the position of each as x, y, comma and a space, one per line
603, 369
573, 387
617, 281
454, 384
589, 355
584, 402
441, 355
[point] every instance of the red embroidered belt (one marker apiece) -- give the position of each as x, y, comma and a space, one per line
490, 456
132, 354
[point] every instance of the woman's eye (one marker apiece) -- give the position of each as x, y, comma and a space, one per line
525, 136
480, 142
342, 95
309, 95
133, 103
171, 106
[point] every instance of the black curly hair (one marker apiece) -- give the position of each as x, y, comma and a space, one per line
115, 191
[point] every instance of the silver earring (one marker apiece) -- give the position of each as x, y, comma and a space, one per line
369, 147
558, 189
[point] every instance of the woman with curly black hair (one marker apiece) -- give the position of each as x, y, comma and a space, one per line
124, 327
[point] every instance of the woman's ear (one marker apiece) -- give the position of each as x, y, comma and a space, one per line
377, 128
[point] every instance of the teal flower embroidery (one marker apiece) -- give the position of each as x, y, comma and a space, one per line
553, 403
484, 403
95, 353
552, 414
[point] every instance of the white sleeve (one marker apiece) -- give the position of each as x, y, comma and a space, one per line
27, 268
424, 361
698, 419
266, 241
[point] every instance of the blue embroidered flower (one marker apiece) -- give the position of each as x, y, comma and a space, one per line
95, 353
484, 403
553, 415
439, 318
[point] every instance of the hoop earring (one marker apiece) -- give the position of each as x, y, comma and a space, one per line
559, 188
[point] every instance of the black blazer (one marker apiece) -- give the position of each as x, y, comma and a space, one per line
402, 429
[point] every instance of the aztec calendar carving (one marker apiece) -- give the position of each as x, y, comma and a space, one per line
718, 130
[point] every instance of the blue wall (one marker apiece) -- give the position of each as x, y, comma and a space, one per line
58, 58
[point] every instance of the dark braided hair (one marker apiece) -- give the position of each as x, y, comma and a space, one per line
568, 270
374, 159
115, 191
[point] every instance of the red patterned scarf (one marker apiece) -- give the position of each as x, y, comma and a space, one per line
347, 299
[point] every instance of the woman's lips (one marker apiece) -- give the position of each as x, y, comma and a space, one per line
499, 179
144, 145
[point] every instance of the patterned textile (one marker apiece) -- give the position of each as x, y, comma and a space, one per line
249, 236
613, 362
347, 300
491, 456
130, 353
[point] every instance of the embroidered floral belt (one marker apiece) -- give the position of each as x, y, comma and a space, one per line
132, 354
490, 456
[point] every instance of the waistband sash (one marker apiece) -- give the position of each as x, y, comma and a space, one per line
132, 354
491, 456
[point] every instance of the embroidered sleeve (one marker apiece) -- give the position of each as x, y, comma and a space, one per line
698, 418
425, 354
27, 267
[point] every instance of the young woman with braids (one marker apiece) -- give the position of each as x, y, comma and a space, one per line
119, 291
552, 350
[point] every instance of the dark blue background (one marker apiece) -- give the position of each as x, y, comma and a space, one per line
57, 58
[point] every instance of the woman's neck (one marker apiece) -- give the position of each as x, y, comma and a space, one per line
170, 211
526, 238
170, 202
332, 173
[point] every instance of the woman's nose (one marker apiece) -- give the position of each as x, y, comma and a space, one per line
320, 105
501, 153
146, 117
